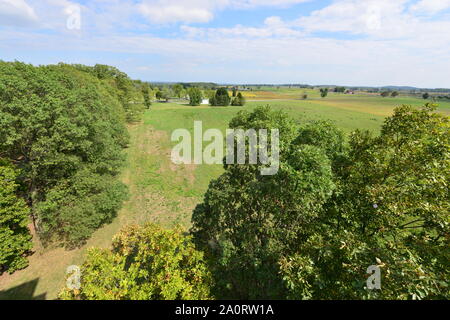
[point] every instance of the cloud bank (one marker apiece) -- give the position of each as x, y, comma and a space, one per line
350, 42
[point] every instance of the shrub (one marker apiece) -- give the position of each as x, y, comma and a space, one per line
145, 263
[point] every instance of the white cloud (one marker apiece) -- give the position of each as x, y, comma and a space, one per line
393, 43
430, 6
273, 27
376, 17
177, 11
256, 3
16, 13
171, 11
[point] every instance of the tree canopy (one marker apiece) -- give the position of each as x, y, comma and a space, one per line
239, 100
333, 210
145, 263
15, 238
64, 127
390, 209
195, 96
221, 98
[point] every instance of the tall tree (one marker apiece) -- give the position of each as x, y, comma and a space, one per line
177, 90
66, 130
390, 211
247, 222
15, 238
312, 230
146, 95
221, 98
195, 96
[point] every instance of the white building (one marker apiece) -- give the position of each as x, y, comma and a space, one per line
205, 101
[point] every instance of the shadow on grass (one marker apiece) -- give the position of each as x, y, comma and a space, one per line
24, 291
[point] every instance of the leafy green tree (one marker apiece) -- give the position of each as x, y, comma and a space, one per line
15, 238
158, 94
312, 230
426, 95
304, 96
177, 90
390, 209
247, 221
234, 91
239, 100
323, 92
195, 96
384, 94
324, 135
165, 94
221, 98
146, 95
394, 94
64, 128
145, 263
76, 207
122, 85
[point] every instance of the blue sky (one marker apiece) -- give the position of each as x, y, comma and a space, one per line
345, 42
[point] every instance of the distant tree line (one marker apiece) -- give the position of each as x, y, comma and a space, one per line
385, 94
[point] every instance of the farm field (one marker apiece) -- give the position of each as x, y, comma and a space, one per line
165, 193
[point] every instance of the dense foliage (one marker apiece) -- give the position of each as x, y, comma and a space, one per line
178, 90
333, 210
64, 127
195, 96
220, 98
145, 89
340, 89
239, 100
119, 86
163, 94
145, 263
323, 92
15, 238
391, 209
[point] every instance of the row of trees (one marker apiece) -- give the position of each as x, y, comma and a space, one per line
220, 97
337, 206
62, 132
385, 94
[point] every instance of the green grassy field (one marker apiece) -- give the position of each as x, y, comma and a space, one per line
165, 193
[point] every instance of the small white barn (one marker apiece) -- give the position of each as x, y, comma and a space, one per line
205, 101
